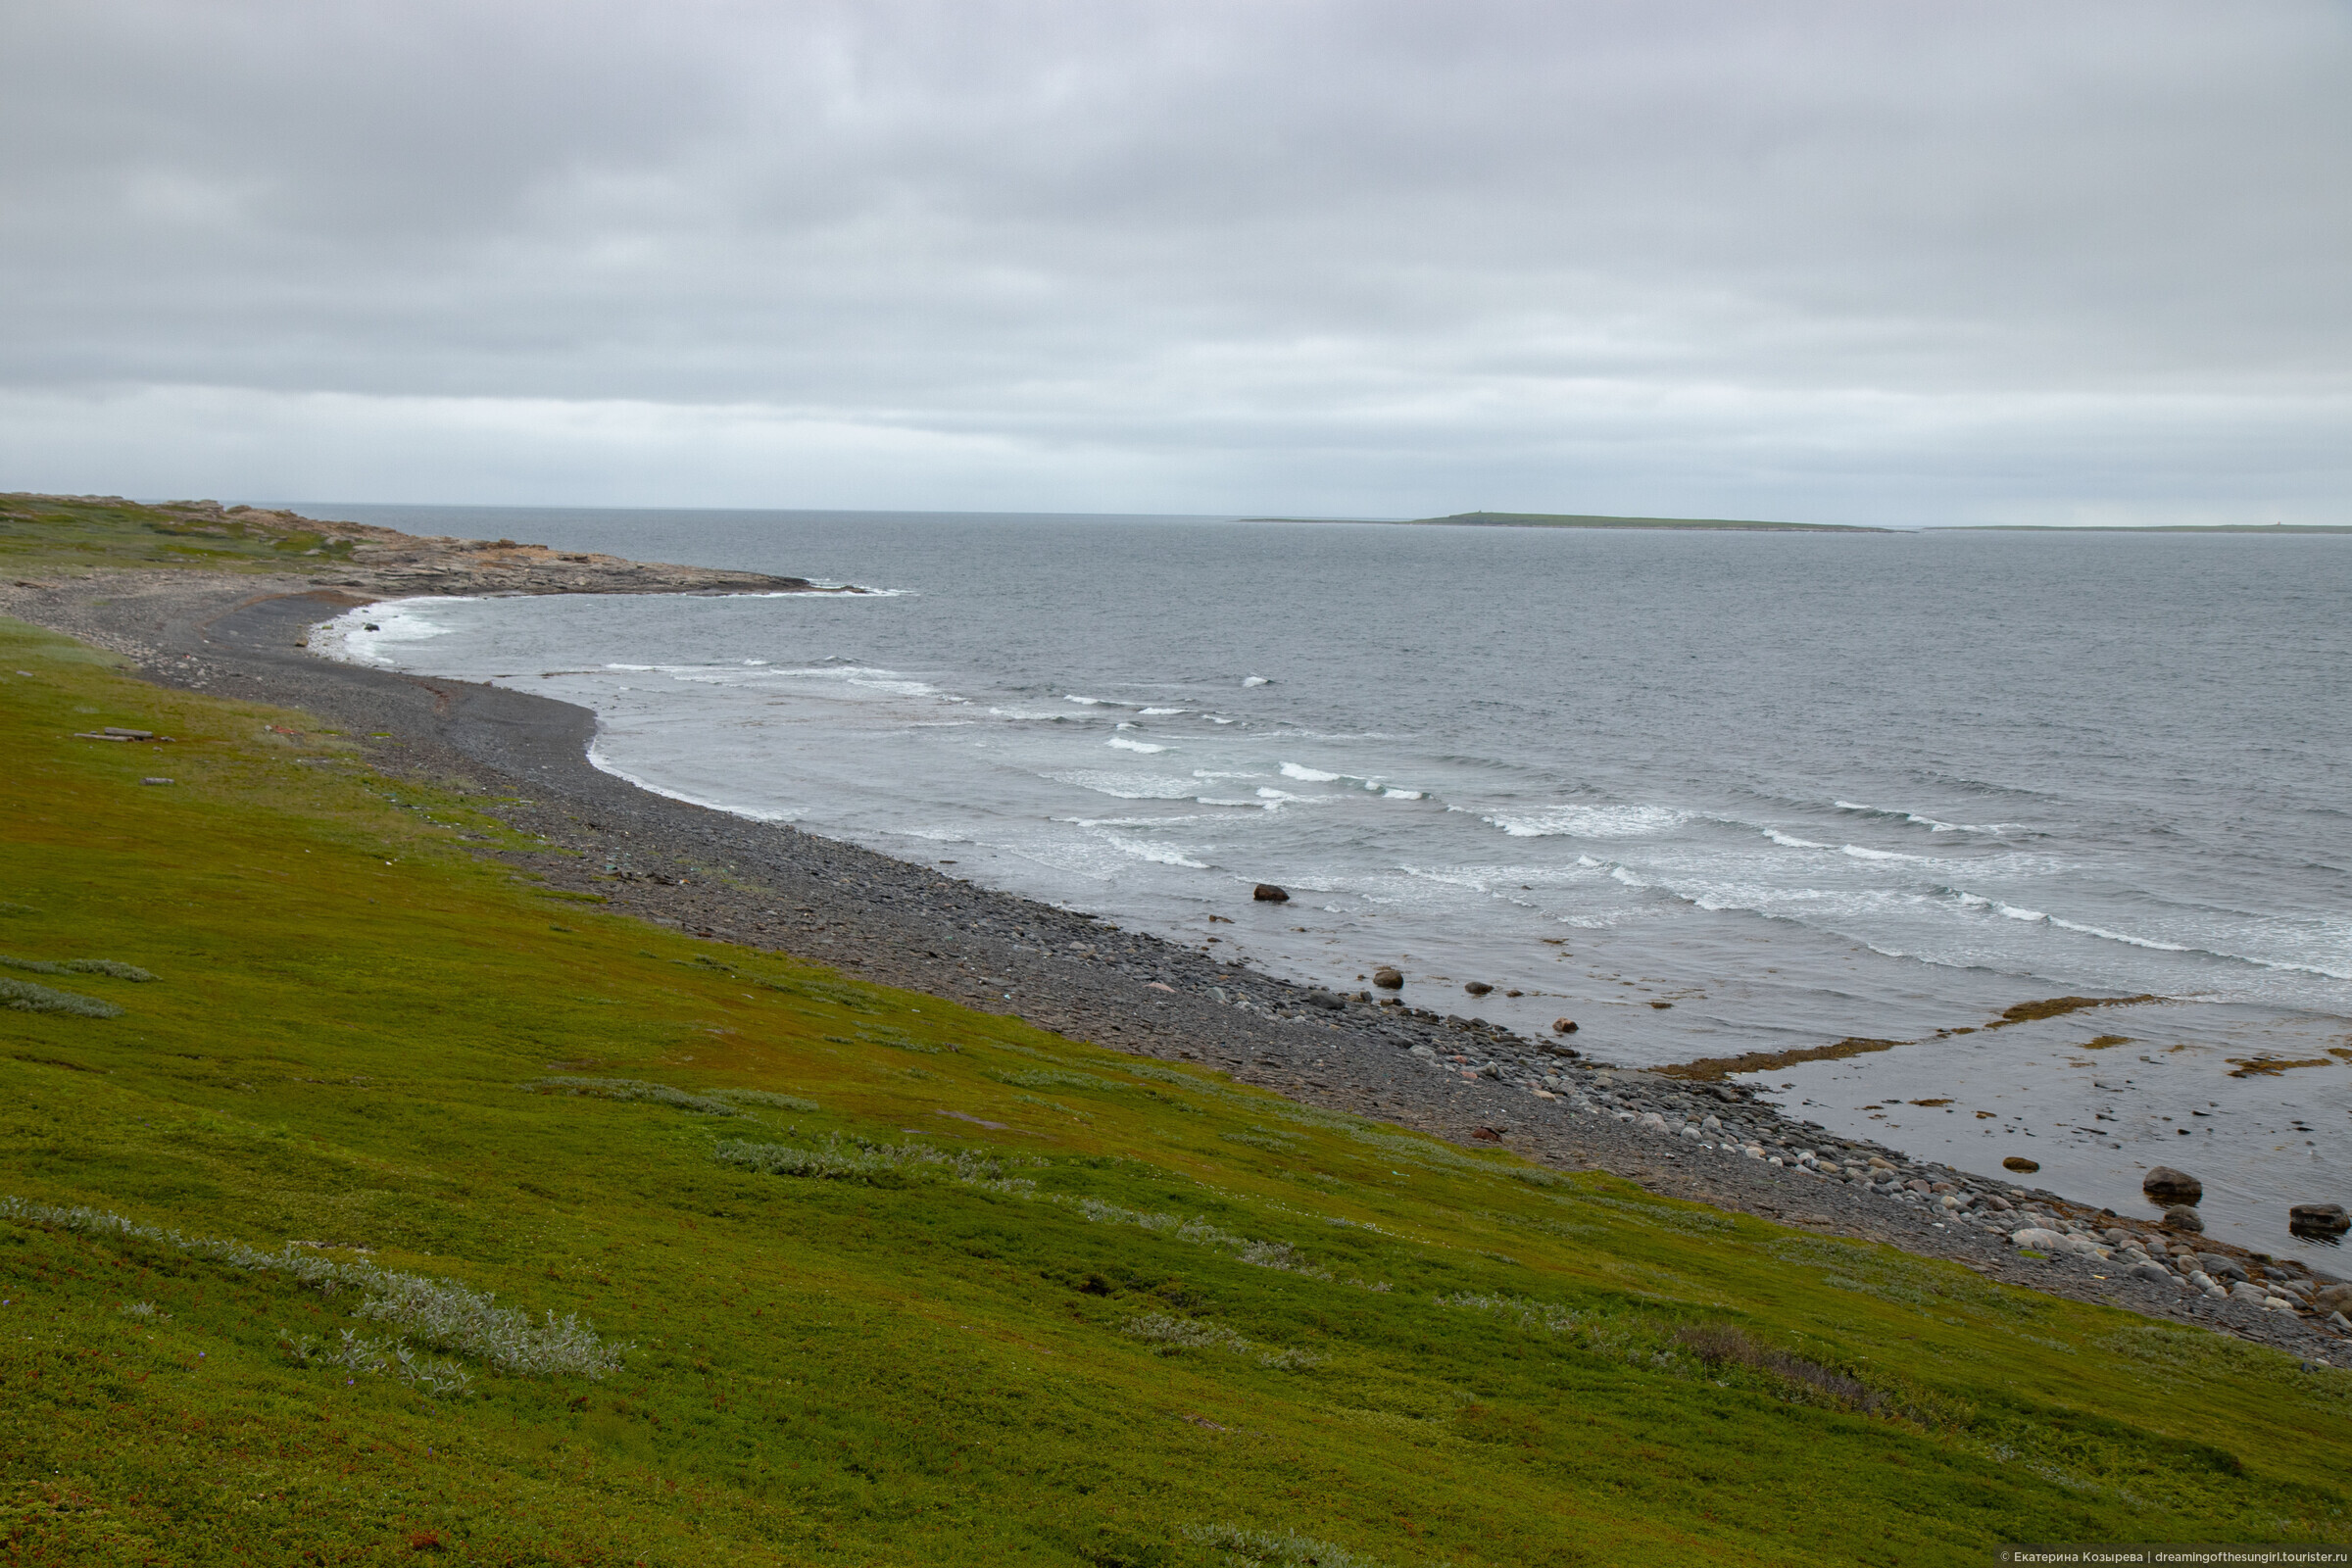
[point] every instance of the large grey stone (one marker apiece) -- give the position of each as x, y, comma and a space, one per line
2319, 1219
2169, 1185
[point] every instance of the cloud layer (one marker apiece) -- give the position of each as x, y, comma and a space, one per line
1845, 262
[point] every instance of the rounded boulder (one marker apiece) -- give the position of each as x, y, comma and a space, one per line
2168, 1186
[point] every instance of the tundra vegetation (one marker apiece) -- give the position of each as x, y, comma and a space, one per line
75, 533
383, 1203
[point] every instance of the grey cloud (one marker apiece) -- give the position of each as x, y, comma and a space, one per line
1805, 254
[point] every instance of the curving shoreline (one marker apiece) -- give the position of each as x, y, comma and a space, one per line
772, 886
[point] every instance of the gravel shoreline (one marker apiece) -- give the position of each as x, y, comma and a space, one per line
772, 887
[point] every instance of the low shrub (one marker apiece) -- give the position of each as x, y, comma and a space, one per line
877, 1164
443, 1314
762, 1097
1723, 1344
23, 996
104, 966
1263, 1549
439, 1380
1185, 1334
633, 1089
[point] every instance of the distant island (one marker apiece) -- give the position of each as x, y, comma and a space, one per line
1548, 519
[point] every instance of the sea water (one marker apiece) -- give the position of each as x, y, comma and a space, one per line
1707, 794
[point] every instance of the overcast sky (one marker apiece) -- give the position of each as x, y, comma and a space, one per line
1868, 262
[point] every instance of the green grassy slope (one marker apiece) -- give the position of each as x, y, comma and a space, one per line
969, 1293
66, 533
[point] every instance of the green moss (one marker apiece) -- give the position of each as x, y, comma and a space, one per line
997, 1344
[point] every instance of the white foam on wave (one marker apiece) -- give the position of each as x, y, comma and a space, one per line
1590, 821
1156, 853
1309, 775
1932, 824
1126, 786
1864, 853
1126, 745
756, 813
1163, 713
1792, 840
827, 589
2124, 937
1402, 795
1497, 880
396, 622
1091, 702
864, 678
2156, 945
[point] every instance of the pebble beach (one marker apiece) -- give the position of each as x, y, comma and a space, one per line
1368, 1051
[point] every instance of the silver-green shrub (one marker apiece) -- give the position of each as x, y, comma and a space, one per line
441, 1380
1185, 1334
1262, 1548
863, 1159
23, 996
105, 966
444, 1314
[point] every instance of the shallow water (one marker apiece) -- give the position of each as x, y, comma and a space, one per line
1795, 786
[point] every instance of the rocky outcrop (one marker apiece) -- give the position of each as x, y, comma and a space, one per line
384, 563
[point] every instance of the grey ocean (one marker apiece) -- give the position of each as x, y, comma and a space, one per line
1795, 787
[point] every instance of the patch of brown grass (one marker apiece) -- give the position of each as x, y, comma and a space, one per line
1709, 1069
1723, 1345
2059, 1008
2272, 1066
